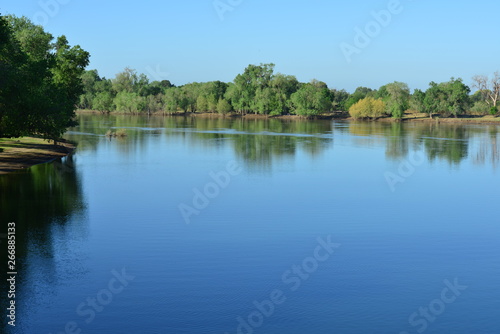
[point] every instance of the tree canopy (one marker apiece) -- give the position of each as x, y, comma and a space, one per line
40, 80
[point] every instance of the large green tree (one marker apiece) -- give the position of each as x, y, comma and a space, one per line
447, 98
41, 80
312, 99
396, 95
242, 93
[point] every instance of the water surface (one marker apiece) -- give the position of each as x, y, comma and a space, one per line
118, 239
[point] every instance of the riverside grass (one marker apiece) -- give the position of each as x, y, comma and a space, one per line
20, 153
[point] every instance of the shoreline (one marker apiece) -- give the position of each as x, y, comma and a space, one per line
341, 116
22, 153
25, 152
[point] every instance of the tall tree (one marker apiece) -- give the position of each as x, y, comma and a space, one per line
447, 98
489, 88
397, 98
47, 84
312, 99
242, 94
126, 81
417, 101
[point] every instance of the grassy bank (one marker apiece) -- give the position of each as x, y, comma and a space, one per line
20, 153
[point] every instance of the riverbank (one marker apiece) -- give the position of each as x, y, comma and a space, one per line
21, 153
465, 119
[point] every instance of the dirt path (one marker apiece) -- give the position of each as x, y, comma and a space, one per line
22, 153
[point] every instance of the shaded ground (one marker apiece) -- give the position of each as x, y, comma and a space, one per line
20, 153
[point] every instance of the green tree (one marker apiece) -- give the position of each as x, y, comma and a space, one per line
103, 102
339, 99
359, 94
174, 100
190, 94
282, 87
447, 98
70, 63
129, 102
242, 94
417, 101
311, 99
210, 92
223, 107
126, 81
397, 98
153, 103
201, 103
47, 80
89, 80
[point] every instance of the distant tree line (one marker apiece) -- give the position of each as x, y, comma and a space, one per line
43, 81
259, 90
40, 80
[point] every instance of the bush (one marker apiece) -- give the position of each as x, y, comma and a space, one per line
130, 103
493, 111
121, 133
368, 108
223, 107
480, 108
118, 133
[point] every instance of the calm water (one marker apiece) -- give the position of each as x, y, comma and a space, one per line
233, 226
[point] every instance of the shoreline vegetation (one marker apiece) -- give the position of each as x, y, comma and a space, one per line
44, 81
40, 86
259, 90
408, 117
21, 153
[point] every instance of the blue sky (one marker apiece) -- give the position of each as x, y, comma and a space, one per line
187, 41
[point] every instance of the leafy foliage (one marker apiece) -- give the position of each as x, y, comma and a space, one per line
368, 108
447, 98
311, 99
397, 98
41, 81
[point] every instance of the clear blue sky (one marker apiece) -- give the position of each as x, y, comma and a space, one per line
186, 40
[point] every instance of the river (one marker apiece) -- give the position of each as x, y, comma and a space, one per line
212, 225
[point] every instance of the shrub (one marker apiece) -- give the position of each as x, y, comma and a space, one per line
118, 133
223, 107
368, 108
480, 108
121, 133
